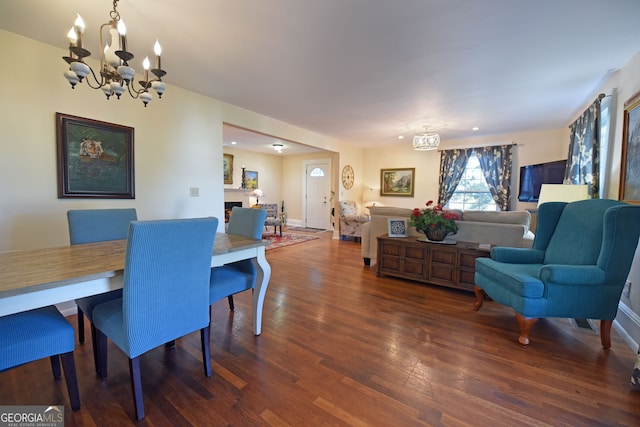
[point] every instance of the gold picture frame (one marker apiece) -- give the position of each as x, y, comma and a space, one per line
629, 190
227, 168
397, 182
251, 180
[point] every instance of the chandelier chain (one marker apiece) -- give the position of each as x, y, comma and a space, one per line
114, 13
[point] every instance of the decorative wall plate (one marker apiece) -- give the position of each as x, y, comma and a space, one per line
347, 177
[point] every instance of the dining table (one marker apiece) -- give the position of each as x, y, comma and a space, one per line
36, 278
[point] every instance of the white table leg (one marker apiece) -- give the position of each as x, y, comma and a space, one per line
260, 289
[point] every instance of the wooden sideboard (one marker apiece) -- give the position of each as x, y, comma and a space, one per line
452, 265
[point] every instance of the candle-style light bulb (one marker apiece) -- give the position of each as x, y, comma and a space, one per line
145, 65
158, 51
79, 24
78, 27
122, 30
71, 35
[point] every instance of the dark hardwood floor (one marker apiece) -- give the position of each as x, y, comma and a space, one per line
341, 347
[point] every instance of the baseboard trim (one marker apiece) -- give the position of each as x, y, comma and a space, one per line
632, 318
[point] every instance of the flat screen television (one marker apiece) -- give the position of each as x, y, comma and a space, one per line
533, 176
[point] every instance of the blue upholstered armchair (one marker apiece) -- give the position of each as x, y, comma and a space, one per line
577, 268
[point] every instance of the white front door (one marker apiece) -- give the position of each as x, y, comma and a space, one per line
318, 194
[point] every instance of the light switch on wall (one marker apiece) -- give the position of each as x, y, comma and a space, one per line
194, 192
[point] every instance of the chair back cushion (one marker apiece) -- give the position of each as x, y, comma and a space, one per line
271, 208
578, 234
99, 225
348, 207
166, 281
247, 222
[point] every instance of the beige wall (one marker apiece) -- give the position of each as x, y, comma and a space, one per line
269, 168
532, 147
178, 145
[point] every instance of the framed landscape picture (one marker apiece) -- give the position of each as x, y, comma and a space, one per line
95, 159
227, 168
397, 182
251, 180
629, 191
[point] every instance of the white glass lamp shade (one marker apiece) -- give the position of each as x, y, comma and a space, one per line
127, 73
80, 68
257, 193
426, 141
562, 193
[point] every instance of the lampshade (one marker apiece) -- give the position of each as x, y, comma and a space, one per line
257, 193
370, 197
563, 193
426, 141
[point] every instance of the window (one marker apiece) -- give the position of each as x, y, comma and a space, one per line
472, 193
316, 172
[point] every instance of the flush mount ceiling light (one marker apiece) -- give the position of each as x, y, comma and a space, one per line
278, 147
116, 75
426, 141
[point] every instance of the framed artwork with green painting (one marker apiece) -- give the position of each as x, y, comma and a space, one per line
95, 158
227, 168
397, 182
251, 180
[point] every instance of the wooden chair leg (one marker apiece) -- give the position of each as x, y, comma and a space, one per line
55, 365
605, 333
205, 336
479, 297
136, 386
525, 323
101, 340
232, 307
69, 365
80, 326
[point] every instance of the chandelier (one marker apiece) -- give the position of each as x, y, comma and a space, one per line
426, 141
116, 76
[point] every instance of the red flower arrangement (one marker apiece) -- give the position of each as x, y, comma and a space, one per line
434, 217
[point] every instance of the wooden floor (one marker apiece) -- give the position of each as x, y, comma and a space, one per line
342, 347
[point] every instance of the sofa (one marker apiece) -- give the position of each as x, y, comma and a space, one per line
496, 228
351, 221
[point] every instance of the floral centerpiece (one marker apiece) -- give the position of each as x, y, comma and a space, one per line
434, 221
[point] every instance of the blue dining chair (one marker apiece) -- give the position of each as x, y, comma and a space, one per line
240, 276
36, 334
90, 226
166, 285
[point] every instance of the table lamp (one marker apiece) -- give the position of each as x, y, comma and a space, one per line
257, 193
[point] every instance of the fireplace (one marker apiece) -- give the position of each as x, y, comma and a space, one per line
227, 209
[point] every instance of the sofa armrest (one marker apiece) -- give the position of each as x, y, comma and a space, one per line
517, 255
497, 234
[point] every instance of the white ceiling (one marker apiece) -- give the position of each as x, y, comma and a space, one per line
366, 71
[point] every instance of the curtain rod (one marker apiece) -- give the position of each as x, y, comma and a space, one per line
478, 146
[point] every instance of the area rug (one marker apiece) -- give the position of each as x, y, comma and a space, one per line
307, 229
287, 239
